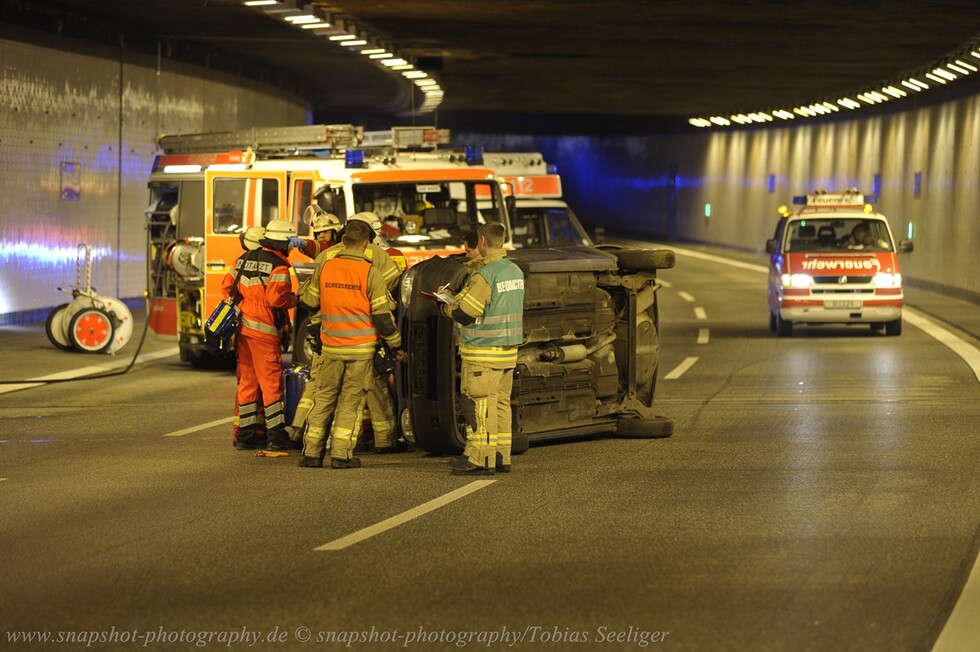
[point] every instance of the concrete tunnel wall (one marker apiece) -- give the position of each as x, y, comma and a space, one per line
80, 119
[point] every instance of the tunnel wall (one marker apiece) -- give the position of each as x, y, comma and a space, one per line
659, 186
78, 130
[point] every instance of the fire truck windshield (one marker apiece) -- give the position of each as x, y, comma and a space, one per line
431, 213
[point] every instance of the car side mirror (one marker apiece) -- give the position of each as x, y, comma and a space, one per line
905, 246
770, 246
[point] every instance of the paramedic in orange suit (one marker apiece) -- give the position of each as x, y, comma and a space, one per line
267, 294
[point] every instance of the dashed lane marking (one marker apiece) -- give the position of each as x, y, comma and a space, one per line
686, 296
88, 371
700, 313
203, 426
703, 335
404, 517
681, 368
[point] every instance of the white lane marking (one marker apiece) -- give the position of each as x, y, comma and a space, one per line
961, 631
4, 479
960, 347
700, 313
681, 368
703, 335
86, 371
404, 517
686, 296
203, 426
666, 284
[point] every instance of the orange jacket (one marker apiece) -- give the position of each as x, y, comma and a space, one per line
345, 308
266, 290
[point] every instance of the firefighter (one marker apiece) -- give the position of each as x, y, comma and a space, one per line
250, 240
325, 227
489, 316
266, 296
355, 307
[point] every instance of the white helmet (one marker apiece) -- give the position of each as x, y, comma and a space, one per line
251, 238
279, 230
325, 222
368, 218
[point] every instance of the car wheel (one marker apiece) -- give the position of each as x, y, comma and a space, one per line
91, 330
54, 327
893, 327
634, 428
519, 444
644, 260
302, 353
772, 322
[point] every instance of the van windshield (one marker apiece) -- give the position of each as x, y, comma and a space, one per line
429, 214
837, 234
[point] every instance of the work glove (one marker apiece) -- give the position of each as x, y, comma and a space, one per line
313, 338
297, 242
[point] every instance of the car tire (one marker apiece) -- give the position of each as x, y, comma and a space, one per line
772, 322
519, 444
635, 428
893, 327
644, 260
302, 353
54, 328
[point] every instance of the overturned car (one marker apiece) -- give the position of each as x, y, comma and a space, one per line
588, 363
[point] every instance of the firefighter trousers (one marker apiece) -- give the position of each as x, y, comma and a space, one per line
259, 374
341, 391
486, 408
381, 411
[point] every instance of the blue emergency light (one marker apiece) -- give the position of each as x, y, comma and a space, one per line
552, 168
799, 199
474, 155
354, 158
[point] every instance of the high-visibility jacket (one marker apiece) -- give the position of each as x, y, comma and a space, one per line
489, 312
353, 303
266, 290
377, 256
398, 258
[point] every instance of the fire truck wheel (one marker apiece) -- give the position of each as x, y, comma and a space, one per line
784, 328
91, 330
632, 428
54, 327
644, 260
893, 327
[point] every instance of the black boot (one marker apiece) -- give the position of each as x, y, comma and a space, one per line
352, 463
311, 462
501, 467
278, 440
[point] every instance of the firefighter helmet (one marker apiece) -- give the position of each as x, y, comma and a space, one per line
369, 218
251, 237
279, 230
325, 222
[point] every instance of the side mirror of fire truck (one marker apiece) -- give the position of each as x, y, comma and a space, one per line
770, 246
905, 246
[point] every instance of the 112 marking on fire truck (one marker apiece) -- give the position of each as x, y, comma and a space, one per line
834, 261
207, 189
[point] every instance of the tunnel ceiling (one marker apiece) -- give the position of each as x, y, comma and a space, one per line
551, 60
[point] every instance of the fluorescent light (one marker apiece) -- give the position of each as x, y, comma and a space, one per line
945, 75
718, 120
783, 115
181, 169
351, 44
698, 122
848, 103
406, 66
740, 119
394, 62
975, 53
342, 37
965, 65
962, 71
302, 18
383, 55
878, 96
373, 51
261, 3
316, 26
832, 107
939, 80
918, 83
894, 92
909, 84
425, 82
414, 74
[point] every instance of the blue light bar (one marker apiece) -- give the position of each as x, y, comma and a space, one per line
474, 155
354, 158
552, 168
799, 199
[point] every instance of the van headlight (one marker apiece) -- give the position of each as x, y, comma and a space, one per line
887, 280
796, 280
408, 283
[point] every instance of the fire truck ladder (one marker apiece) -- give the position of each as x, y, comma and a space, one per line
266, 140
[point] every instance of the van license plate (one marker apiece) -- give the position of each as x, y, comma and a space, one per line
849, 304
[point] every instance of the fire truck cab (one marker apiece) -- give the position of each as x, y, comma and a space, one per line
207, 189
539, 217
834, 260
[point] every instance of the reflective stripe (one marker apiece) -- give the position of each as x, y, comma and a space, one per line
258, 326
279, 278
347, 332
344, 318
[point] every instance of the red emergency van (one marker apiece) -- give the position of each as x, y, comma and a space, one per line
834, 261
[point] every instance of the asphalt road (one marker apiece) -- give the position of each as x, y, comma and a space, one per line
819, 493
